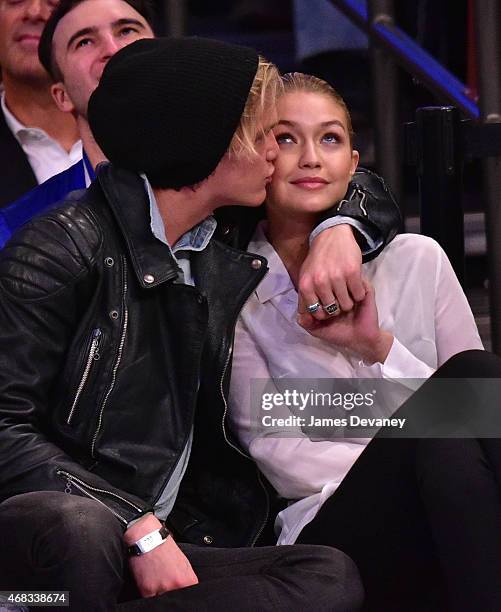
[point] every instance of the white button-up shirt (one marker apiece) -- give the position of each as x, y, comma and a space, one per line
419, 300
45, 155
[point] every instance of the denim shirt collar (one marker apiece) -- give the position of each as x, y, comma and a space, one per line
195, 239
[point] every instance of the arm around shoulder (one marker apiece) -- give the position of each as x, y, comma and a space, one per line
370, 207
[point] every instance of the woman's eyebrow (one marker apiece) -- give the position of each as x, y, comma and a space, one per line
333, 122
324, 124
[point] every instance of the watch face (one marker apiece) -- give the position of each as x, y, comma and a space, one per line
149, 542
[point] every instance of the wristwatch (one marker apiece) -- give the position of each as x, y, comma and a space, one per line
148, 542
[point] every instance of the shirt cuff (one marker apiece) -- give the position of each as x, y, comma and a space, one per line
369, 243
400, 365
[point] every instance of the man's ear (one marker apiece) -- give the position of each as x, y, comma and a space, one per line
61, 97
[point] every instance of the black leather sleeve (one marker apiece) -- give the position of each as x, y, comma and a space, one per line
46, 272
370, 202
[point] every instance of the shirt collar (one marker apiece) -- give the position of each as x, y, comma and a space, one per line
18, 129
14, 124
277, 281
195, 239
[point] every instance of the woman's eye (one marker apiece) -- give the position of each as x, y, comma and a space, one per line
330, 138
284, 138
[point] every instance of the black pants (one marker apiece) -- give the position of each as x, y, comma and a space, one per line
421, 518
52, 540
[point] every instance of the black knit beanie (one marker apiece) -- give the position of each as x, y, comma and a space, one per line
169, 107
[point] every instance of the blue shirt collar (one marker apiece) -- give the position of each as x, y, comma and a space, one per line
195, 239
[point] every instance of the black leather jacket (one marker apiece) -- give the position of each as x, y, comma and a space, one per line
101, 356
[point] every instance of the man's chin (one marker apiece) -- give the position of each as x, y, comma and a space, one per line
254, 202
31, 71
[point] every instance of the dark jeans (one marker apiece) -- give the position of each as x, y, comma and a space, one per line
52, 540
421, 518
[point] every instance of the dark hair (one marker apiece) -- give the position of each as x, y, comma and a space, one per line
143, 7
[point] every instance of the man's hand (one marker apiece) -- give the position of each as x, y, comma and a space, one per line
332, 272
357, 330
165, 568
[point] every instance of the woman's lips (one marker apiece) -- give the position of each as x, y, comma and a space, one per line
310, 183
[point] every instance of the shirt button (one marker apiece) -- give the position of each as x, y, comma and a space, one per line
256, 264
149, 278
208, 539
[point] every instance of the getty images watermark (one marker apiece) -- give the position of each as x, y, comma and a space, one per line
308, 401
323, 409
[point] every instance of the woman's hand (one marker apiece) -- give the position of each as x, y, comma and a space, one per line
357, 330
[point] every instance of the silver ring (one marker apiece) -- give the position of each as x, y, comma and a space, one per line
312, 308
331, 309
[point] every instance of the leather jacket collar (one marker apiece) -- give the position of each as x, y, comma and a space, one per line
151, 259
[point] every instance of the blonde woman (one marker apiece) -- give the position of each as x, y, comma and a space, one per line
410, 527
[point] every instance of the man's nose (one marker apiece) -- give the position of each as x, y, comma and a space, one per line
38, 10
271, 147
109, 46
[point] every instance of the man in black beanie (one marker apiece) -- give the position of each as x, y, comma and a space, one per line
117, 309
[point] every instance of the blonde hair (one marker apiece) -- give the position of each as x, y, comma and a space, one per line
263, 94
298, 81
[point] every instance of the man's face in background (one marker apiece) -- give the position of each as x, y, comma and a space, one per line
84, 40
21, 25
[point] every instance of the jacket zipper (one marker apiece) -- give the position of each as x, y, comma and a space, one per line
118, 359
82, 486
221, 389
93, 355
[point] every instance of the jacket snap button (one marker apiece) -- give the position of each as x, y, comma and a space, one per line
114, 314
208, 539
226, 230
109, 261
149, 278
256, 264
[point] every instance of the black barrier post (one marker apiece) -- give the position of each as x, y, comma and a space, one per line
175, 17
385, 102
439, 169
487, 16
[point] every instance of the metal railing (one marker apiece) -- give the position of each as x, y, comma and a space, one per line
439, 166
